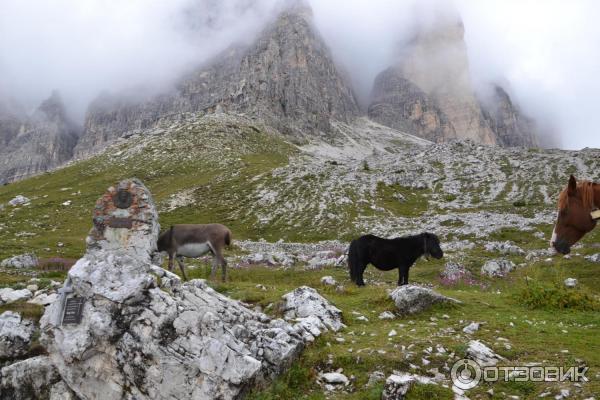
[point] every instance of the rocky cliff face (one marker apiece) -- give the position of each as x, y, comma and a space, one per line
286, 77
401, 104
429, 93
512, 127
37, 143
11, 117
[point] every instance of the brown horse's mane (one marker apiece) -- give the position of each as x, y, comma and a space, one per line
585, 188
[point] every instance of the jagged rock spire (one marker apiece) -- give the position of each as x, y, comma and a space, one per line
429, 91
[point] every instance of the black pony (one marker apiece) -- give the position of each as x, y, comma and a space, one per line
387, 254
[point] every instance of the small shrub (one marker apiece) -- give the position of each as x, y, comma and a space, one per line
540, 296
450, 197
366, 166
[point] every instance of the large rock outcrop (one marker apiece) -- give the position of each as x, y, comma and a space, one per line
286, 77
429, 92
36, 143
145, 335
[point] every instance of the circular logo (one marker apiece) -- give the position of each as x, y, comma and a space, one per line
466, 374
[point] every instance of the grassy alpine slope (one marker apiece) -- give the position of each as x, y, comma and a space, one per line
233, 170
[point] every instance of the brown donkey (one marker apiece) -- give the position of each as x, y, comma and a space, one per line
194, 240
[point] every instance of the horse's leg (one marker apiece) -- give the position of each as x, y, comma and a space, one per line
182, 267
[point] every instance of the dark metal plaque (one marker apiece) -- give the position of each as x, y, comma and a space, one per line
73, 310
123, 199
121, 223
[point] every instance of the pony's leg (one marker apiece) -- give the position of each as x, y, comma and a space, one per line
182, 267
402, 276
361, 271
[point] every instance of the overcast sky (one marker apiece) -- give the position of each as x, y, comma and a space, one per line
547, 51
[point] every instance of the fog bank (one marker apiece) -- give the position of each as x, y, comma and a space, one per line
544, 53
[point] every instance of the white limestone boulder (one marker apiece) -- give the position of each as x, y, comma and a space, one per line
328, 281
27, 260
471, 328
9, 295
507, 247
397, 385
28, 379
570, 283
412, 299
497, 268
15, 335
19, 200
483, 355
306, 302
44, 299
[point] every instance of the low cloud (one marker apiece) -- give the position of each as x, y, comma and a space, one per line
545, 53
84, 47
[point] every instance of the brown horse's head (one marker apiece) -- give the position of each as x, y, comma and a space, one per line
575, 206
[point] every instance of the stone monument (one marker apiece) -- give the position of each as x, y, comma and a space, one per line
128, 329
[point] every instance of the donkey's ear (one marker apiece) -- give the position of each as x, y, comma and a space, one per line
572, 188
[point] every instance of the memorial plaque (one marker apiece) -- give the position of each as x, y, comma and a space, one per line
123, 199
73, 310
126, 223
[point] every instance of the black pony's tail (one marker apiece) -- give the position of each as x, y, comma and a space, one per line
353, 261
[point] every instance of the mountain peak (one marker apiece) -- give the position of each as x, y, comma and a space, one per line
52, 108
298, 7
285, 77
429, 90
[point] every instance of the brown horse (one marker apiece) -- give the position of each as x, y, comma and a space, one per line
577, 214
